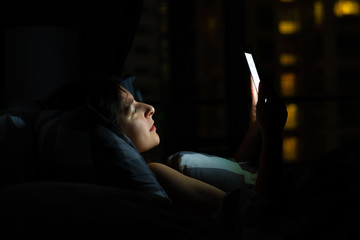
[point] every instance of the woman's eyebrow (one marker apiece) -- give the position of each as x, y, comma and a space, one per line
129, 100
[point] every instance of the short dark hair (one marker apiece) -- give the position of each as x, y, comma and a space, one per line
105, 97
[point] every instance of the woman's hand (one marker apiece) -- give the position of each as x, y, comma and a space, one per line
271, 113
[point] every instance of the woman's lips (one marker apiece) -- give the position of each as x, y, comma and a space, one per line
153, 128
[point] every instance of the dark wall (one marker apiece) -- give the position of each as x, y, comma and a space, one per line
95, 35
185, 87
180, 125
237, 90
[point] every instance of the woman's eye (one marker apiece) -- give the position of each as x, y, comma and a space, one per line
134, 110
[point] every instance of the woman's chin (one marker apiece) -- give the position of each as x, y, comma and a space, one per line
154, 144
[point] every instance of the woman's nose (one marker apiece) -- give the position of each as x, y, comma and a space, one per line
150, 110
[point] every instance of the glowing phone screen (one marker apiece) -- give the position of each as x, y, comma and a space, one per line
253, 71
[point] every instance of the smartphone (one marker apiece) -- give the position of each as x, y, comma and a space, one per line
253, 71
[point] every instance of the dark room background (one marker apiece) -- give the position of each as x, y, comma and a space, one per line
188, 61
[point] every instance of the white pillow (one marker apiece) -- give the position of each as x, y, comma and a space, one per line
223, 173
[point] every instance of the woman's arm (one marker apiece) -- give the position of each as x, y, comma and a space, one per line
250, 146
186, 191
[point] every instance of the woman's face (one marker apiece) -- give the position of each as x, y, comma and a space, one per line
137, 123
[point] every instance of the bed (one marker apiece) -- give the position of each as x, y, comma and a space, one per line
320, 198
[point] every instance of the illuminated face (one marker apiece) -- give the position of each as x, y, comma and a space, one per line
137, 123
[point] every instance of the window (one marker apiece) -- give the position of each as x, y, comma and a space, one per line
288, 84
346, 8
290, 149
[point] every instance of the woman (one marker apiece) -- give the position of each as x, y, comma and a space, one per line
287, 208
135, 119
